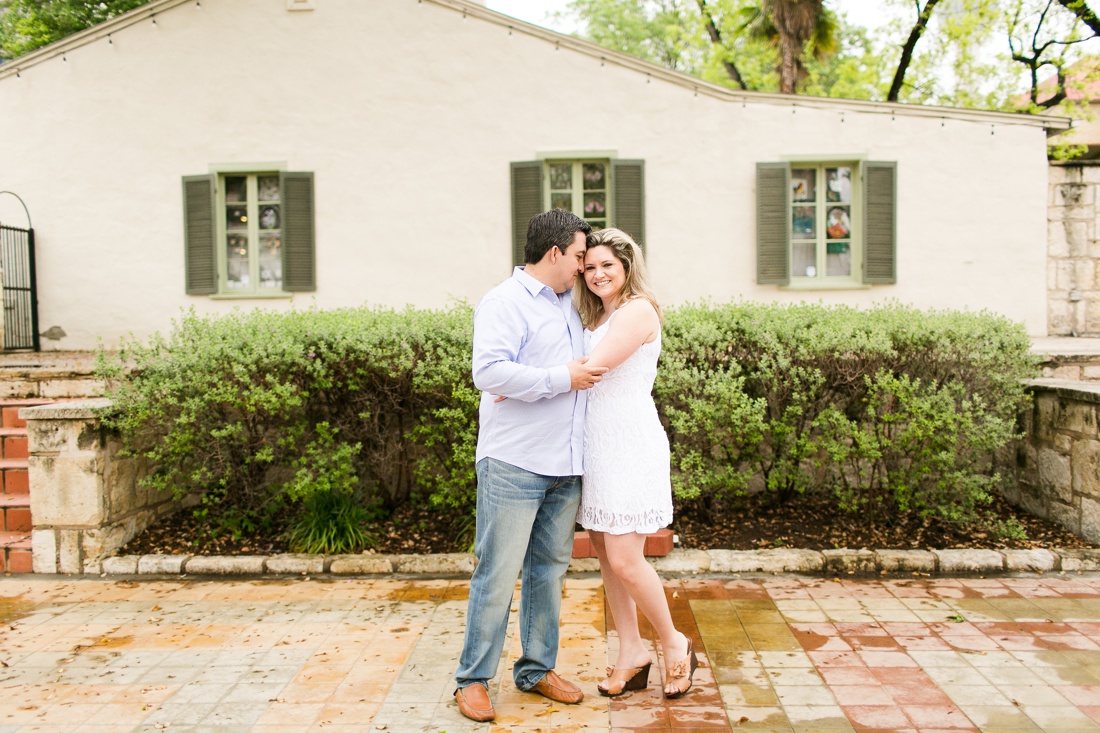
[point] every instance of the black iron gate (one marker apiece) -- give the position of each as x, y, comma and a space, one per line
20, 289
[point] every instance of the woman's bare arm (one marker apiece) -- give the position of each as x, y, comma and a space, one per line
635, 323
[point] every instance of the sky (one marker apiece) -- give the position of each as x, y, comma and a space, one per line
867, 13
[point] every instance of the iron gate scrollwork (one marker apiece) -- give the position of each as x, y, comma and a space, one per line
20, 289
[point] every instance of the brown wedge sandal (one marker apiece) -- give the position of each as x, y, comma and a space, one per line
617, 684
682, 670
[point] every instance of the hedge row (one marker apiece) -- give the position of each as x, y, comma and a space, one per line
891, 408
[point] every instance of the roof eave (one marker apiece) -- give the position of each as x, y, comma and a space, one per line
147, 12
474, 9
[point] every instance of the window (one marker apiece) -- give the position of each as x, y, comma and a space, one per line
603, 192
580, 187
249, 234
826, 224
252, 258
821, 221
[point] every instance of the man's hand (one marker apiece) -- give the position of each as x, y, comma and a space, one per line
582, 376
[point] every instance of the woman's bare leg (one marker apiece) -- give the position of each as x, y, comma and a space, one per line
626, 561
632, 649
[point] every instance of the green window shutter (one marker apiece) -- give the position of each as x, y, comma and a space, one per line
628, 179
880, 245
773, 223
299, 250
200, 254
526, 202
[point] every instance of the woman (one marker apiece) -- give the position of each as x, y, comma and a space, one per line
626, 492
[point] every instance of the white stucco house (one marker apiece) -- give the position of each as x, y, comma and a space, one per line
284, 153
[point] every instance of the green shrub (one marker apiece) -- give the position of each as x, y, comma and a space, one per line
332, 522
254, 411
892, 409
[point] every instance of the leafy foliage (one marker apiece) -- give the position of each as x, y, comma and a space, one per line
29, 24
263, 415
259, 411
891, 409
332, 523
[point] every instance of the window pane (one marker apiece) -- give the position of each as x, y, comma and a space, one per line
561, 176
271, 260
236, 261
838, 225
838, 182
803, 259
597, 224
269, 217
802, 222
269, 188
802, 184
595, 176
561, 201
236, 218
236, 189
838, 259
595, 204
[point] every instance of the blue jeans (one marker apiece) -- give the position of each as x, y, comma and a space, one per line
524, 522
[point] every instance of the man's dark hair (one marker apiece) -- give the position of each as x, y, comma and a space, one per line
554, 228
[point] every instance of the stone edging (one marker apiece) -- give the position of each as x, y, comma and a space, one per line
680, 562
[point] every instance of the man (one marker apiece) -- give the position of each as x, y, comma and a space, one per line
528, 350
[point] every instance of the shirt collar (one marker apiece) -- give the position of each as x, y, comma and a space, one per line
531, 284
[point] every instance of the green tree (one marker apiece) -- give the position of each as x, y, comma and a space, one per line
794, 28
29, 24
961, 53
738, 43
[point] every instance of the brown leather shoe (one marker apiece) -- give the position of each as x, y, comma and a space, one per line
473, 702
556, 688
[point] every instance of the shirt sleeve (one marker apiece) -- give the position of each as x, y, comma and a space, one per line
499, 333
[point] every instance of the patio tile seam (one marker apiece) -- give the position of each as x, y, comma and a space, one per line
939, 563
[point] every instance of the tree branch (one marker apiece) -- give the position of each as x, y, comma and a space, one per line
1083, 12
907, 49
716, 38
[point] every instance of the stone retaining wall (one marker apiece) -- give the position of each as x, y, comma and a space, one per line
1056, 467
1080, 368
678, 562
86, 504
85, 500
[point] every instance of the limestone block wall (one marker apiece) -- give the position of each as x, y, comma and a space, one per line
1073, 285
1056, 465
86, 501
1082, 367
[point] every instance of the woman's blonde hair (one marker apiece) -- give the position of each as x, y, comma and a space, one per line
627, 251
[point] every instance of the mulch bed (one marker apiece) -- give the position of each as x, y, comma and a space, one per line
810, 522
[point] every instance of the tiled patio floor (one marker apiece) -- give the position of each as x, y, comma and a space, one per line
792, 654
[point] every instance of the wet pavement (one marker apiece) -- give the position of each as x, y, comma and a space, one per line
778, 653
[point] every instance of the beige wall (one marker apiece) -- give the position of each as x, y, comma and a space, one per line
408, 114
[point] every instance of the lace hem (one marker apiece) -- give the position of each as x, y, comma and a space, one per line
646, 522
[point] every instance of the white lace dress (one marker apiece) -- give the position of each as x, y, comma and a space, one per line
626, 486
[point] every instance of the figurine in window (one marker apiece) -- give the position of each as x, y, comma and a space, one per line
838, 226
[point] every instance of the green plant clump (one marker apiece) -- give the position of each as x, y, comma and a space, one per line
255, 412
274, 419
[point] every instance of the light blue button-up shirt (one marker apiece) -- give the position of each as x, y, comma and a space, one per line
524, 335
